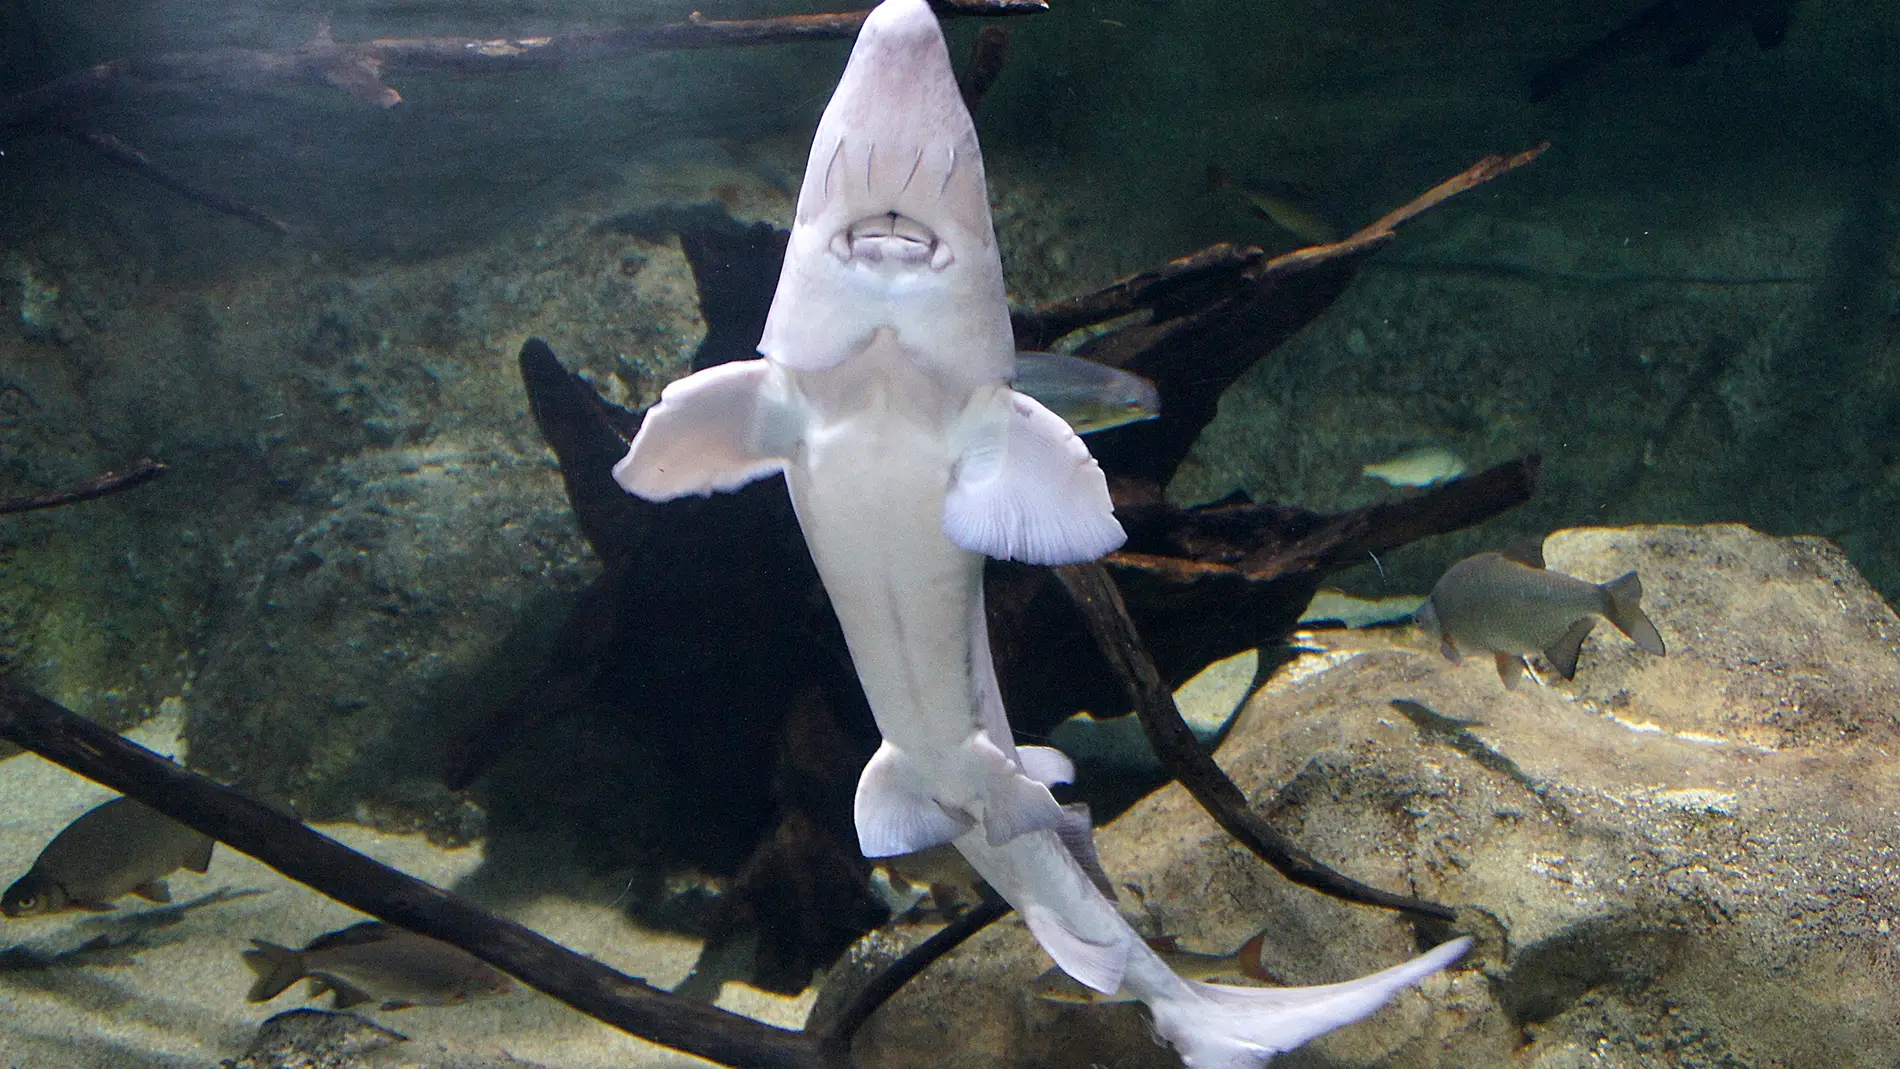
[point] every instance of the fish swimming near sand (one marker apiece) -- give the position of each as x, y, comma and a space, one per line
1243, 964
1428, 465
1089, 396
375, 962
884, 398
1509, 608
121, 847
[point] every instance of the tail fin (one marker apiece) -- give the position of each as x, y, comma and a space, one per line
1218, 178
276, 968
1625, 596
1223, 1027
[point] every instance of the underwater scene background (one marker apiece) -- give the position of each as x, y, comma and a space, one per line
386, 585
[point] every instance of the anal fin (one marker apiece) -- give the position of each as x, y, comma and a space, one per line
1563, 653
1511, 669
1094, 965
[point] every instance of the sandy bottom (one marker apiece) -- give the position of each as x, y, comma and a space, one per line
165, 985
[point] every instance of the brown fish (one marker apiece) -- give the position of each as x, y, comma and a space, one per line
1508, 608
119, 848
375, 962
1054, 985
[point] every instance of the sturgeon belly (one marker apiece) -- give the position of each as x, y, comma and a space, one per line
869, 496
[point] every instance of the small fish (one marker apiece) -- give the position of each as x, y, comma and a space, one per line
1427, 465
1290, 206
1508, 608
1089, 396
375, 962
1054, 985
119, 848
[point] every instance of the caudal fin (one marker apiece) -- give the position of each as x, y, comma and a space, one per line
1626, 612
1222, 1027
276, 968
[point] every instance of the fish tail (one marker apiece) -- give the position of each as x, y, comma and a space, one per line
1625, 610
1218, 178
1217, 1026
276, 968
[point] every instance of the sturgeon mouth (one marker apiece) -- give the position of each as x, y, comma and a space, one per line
890, 238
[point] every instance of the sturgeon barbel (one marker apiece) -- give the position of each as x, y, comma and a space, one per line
883, 396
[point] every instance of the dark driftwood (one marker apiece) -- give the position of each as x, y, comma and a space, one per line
327, 866
140, 164
1199, 323
888, 981
1190, 764
315, 860
141, 471
1188, 282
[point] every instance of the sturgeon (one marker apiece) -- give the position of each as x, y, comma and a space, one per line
883, 395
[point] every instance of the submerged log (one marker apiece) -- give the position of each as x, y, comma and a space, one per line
142, 471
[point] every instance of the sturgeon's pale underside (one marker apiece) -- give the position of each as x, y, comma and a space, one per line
884, 398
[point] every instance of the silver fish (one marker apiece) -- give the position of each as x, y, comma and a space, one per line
119, 848
1425, 466
375, 962
1088, 395
1510, 608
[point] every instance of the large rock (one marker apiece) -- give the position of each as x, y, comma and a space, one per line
1684, 861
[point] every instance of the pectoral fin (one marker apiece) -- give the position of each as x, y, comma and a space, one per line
1027, 489
893, 813
717, 429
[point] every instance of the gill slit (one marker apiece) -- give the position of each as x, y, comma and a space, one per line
914, 167
836, 151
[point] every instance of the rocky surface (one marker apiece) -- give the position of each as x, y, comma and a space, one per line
316, 1039
1685, 861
